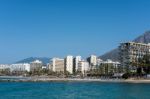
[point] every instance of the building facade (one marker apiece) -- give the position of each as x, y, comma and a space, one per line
36, 65
20, 67
92, 61
4, 66
58, 65
109, 67
130, 53
83, 66
77, 59
69, 64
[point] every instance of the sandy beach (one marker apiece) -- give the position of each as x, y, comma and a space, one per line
94, 80
48, 79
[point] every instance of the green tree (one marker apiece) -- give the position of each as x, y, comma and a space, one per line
144, 64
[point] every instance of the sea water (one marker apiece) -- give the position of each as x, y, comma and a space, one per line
73, 90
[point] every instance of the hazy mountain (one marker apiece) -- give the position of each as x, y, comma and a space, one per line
145, 38
45, 60
113, 54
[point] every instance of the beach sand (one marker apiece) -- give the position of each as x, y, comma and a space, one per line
48, 79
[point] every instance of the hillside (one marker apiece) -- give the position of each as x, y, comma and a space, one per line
113, 54
45, 60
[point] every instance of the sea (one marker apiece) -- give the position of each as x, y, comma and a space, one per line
73, 90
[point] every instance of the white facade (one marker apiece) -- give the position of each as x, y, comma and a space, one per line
53, 64
77, 60
93, 60
4, 66
83, 66
20, 67
36, 65
58, 65
111, 66
110, 61
50, 66
99, 61
69, 64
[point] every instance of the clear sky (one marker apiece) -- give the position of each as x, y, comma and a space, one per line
48, 28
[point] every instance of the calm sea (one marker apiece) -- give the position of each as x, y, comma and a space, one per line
73, 90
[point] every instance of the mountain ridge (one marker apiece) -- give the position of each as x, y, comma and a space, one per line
113, 54
44, 60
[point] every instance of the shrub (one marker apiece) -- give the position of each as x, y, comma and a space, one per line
126, 76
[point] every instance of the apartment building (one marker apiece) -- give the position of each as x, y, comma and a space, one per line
130, 53
58, 65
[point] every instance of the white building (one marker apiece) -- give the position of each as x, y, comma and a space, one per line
99, 61
58, 65
92, 60
112, 62
4, 66
50, 65
20, 67
69, 64
36, 65
77, 59
110, 66
83, 67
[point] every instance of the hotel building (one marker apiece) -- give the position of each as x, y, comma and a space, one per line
130, 52
92, 61
77, 59
83, 66
4, 66
69, 64
36, 65
58, 65
109, 67
20, 67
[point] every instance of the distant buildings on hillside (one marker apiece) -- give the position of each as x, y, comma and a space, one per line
129, 53
70, 64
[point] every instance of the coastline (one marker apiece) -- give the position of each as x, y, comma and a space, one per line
93, 80
47, 79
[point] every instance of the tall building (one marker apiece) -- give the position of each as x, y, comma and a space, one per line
69, 64
83, 66
49, 65
58, 65
92, 61
77, 59
130, 53
36, 65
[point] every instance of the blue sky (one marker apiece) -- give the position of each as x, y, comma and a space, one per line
48, 28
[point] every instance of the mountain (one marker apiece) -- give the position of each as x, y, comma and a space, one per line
113, 54
145, 38
45, 60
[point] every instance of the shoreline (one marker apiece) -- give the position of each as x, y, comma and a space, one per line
47, 79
